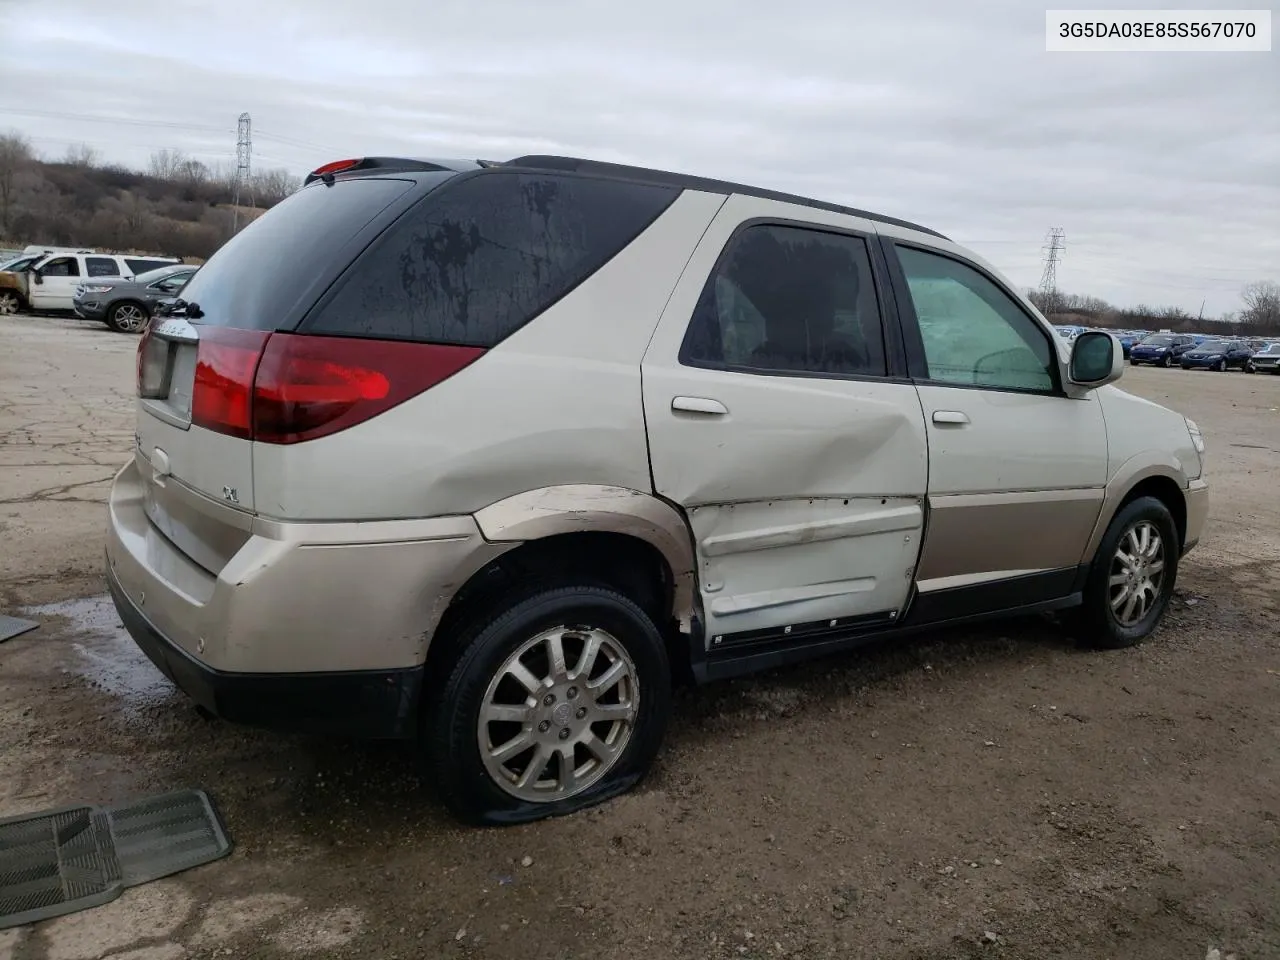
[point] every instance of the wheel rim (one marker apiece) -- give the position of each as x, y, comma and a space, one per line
8, 304
1137, 573
558, 714
129, 317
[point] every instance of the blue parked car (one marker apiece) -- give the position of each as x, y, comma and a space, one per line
1218, 355
1161, 349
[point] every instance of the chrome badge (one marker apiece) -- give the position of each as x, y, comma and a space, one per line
230, 495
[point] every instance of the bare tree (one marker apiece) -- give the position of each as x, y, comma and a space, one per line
168, 164
272, 186
1261, 304
15, 156
82, 155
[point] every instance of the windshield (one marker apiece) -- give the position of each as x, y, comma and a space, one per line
1270, 348
151, 276
1209, 345
1158, 341
18, 264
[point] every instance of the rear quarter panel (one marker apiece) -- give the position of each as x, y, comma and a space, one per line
558, 402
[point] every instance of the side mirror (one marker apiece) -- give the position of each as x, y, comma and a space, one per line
37, 276
1096, 359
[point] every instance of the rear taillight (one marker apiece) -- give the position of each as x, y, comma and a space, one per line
222, 397
287, 388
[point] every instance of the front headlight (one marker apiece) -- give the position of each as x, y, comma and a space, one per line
1197, 440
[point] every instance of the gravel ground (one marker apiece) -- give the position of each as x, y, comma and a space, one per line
986, 793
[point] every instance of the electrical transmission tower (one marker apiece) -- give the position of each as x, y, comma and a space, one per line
1055, 242
244, 163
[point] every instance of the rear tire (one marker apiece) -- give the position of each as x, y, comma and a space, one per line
1131, 578
10, 303
128, 317
484, 728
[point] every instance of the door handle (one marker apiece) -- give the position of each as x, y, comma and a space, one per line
699, 405
950, 417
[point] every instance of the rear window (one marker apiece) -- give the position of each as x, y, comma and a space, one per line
475, 261
140, 265
258, 275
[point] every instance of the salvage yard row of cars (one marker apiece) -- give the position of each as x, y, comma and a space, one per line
1192, 351
119, 290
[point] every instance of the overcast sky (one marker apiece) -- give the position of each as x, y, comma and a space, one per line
1164, 169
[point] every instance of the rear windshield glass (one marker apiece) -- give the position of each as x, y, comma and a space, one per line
479, 258
257, 276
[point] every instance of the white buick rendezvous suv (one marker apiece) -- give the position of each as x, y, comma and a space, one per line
486, 454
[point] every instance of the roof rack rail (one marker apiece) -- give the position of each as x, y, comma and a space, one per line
689, 182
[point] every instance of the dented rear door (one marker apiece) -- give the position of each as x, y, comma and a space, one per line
804, 489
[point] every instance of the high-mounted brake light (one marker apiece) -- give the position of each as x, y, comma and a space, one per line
287, 388
336, 167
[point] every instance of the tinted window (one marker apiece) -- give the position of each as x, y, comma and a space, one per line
101, 267
974, 333
257, 276
789, 299
151, 276
476, 260
61, 267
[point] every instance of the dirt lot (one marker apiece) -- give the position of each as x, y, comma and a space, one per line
991, 793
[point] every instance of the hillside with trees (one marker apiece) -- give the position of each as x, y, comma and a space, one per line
178, 207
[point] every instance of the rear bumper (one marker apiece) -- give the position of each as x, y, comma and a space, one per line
378, 704
324, 618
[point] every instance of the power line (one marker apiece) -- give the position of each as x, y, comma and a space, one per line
91, 118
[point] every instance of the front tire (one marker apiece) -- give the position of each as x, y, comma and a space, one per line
1166, 361
10, 303
127, 317
1220, 366
555, 703
1131, 578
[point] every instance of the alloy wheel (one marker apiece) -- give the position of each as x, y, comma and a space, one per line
1137, 573
130, 319
8, 304
558, 714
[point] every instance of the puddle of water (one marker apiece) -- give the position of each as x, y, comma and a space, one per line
105, 654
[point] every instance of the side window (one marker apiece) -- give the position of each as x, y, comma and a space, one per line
974, 333
101, 267
140, 266
476, 260
62, 267
789, 299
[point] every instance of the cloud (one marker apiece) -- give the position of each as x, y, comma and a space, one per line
1163, 169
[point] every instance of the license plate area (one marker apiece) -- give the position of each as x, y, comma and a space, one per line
167, 369
155, 373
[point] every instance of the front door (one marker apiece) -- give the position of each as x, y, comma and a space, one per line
1017, 469
59, 278
772, 423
